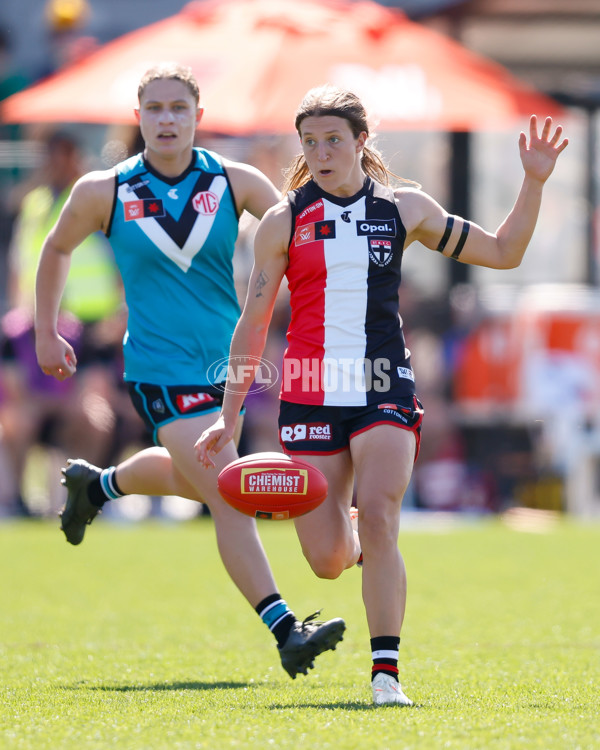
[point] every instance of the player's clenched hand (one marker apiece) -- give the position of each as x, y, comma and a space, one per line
55, 356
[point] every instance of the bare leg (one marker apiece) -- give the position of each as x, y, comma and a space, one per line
152, 472
326, 536
237, 537
383, 460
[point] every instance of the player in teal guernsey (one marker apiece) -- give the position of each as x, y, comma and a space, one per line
179, 233
349, 403
171, 214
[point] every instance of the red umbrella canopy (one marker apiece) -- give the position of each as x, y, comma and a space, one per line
255, 60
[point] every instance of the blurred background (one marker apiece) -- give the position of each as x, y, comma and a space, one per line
507, 363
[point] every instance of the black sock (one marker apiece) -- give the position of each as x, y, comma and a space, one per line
277, 616
384, 651
104, 487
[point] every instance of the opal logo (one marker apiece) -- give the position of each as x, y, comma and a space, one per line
385, 227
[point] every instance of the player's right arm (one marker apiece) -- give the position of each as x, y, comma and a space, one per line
250, 335
86, 211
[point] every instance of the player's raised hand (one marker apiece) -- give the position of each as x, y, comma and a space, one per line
540, 152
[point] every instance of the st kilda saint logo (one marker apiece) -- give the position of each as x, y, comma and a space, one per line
380, 251
206, 203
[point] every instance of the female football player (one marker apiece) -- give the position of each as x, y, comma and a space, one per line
348, 397
171, 214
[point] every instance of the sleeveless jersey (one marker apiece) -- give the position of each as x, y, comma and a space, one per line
345, 340
173, 240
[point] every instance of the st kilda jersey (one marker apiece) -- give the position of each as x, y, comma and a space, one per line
173, 240
345, 341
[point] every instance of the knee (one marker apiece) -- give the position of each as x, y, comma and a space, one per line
326, 565
379, 524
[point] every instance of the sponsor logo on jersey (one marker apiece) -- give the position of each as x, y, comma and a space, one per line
400, 412
173, 194
346, 216
309, 431
188, 401
320, 230
376, 227
206, 203
405, 372
380, 251
143, 208
133, 188
307, 211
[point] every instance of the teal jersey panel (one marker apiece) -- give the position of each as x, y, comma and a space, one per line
173, 241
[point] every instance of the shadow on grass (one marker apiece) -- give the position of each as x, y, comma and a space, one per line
163, 686
345, 705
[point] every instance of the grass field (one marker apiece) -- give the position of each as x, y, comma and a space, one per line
137, 639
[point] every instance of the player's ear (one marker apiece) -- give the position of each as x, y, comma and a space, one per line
136, 113
199, 113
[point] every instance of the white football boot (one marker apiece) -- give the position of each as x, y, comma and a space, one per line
387, 691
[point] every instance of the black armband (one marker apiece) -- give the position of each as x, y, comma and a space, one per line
447, 233
462, 239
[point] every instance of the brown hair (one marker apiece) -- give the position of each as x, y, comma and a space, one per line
330, 100
172, 71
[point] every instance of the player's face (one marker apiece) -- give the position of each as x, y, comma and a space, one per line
168, 118
333, 154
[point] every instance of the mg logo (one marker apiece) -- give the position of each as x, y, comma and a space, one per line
206, 203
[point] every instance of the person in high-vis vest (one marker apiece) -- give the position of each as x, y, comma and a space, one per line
85, 417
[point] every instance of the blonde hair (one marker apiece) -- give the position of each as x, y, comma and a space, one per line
172, 71
330, 100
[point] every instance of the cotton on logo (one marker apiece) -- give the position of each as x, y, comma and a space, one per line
206, 203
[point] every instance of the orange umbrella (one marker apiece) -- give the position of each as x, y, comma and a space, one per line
255, 59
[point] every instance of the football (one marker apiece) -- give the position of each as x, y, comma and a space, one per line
272, 485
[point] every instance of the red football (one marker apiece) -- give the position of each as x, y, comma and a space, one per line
272, 485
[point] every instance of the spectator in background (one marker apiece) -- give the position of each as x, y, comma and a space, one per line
84, 416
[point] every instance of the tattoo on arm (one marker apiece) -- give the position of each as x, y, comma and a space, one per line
261, 282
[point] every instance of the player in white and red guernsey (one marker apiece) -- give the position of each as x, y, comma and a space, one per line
348, 401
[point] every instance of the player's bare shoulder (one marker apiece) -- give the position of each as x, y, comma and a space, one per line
93, 195
275, 228
413, 205
252, 190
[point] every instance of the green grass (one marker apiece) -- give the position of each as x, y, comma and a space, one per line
137, 639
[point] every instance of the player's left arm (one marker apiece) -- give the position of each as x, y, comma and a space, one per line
453, 236
252, 190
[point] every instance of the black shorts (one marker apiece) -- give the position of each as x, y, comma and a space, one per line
322, 430
158, 405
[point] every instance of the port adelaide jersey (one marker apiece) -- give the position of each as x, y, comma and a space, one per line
345, 340
173, 240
